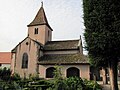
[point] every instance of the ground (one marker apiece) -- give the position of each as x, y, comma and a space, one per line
107, 87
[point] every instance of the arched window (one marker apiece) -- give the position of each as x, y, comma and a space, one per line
73, 71
50, 72
25, 60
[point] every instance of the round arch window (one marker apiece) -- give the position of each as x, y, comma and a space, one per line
50, 72
73, 71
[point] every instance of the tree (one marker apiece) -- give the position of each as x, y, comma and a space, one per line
102, 34
5, 73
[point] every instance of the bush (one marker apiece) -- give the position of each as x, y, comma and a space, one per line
71, 83
75, 83
36, 83
34, 77
5, 73
91, 85
9, 85
15, 77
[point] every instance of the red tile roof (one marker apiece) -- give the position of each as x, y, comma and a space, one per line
5, 57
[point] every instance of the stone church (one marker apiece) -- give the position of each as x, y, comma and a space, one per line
37, 54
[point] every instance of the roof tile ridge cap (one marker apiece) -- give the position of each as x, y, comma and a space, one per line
66, 54
23, 40
66, 40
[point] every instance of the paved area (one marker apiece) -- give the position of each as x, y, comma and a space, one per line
107, 86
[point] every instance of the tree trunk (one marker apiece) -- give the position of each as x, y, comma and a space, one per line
113, 75
104, 74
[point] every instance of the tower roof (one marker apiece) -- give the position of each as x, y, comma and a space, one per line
40, 18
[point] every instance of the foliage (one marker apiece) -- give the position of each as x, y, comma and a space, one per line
5, 73
57, 83
71, 83
91, 85
15, 77
10, 85
34, 77
57, 72
35, 83
102, 33
75, 83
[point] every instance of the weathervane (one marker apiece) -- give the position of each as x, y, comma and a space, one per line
41, 3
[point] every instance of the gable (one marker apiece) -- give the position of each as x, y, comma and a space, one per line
26, 41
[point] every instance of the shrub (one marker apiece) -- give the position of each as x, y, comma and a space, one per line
91, 85
5, 73
15, 77
34, 77
74, 83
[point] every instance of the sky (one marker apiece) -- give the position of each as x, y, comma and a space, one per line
64, 16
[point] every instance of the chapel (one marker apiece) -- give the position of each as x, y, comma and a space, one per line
38, 55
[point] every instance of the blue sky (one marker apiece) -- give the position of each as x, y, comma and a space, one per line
64, 16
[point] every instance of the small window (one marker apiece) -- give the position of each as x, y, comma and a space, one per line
26, 43
36, 31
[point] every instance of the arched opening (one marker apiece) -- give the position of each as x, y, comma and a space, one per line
25, 60
73, 71
50, 72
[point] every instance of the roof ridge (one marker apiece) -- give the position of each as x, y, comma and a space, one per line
64, 54
64, 40
5, 52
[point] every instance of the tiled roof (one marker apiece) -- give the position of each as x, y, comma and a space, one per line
61, 45
63, 59
40, 19
5, 57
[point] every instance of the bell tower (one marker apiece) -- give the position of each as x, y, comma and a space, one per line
39, 29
